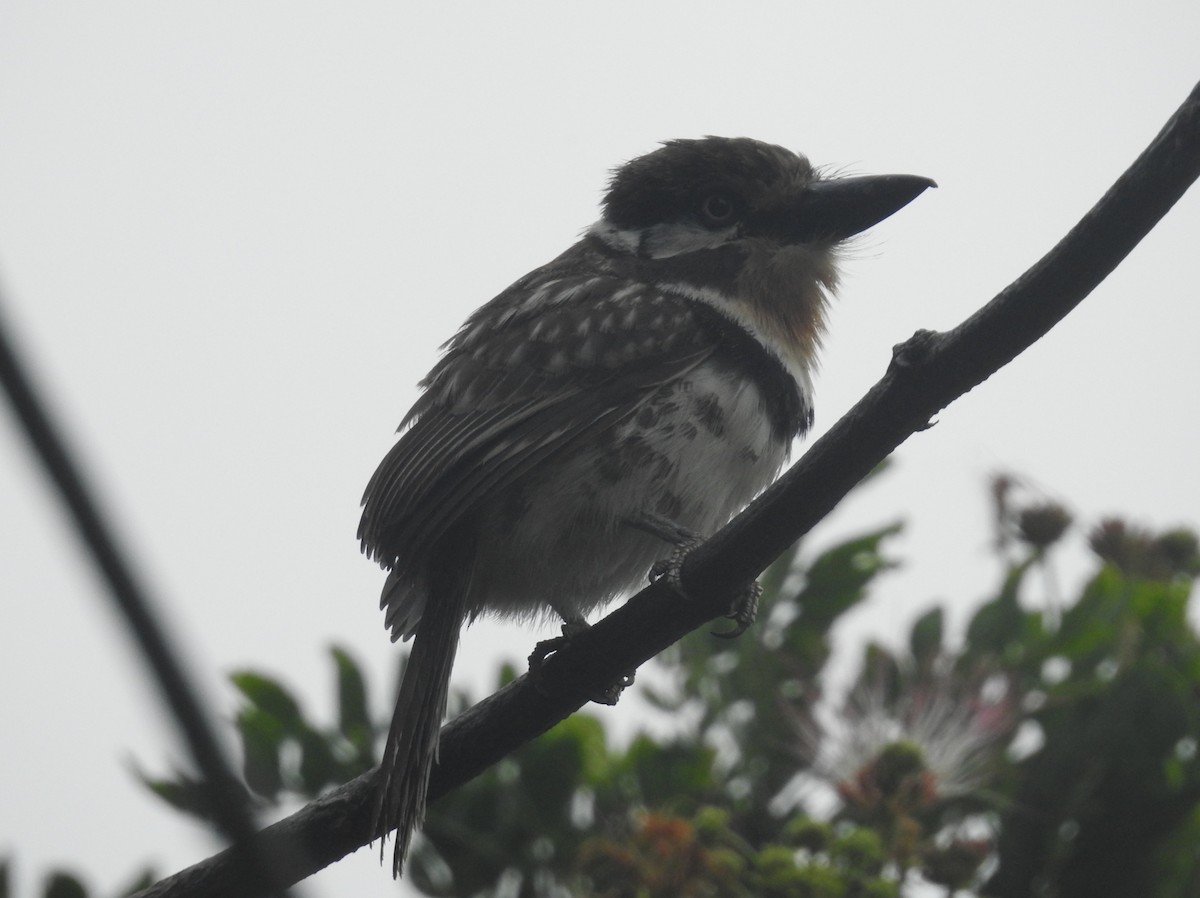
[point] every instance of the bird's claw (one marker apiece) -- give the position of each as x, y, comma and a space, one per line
611, 693
607, 695
744, 609
543, 650
670, 568
743, 612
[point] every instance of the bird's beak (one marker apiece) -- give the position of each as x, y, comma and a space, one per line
842, 207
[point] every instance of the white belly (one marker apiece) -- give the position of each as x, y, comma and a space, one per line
696, 453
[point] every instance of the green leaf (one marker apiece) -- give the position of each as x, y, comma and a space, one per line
1090, 629
272, 698
183, 793
811, 835
659, 774
353, 717
999, 623
63, 885
881, 674
261, 735
837, 580
860, 849
506, 674
925, 640
318, 766
587, 733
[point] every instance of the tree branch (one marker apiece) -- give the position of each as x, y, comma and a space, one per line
927, 373
227, 797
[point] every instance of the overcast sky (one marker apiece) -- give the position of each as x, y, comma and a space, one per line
233, 235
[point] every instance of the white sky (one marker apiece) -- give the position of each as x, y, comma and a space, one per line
233, 235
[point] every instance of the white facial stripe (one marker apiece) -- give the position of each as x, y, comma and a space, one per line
661, 241
797, 367
622, 241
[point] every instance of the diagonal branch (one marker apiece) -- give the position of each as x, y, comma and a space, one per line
227, 797
927, 373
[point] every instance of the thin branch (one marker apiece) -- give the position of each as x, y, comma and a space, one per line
927, 373
228, 797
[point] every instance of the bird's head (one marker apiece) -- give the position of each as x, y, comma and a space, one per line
748, 227
691, 195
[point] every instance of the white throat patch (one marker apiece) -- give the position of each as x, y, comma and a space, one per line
798, 367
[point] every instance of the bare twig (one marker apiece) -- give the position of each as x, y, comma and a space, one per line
227, 796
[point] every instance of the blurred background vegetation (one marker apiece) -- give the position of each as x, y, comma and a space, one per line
1051, 750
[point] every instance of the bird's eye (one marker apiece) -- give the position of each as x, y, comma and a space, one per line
717, 210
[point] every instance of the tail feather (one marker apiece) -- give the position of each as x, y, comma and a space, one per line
412, 739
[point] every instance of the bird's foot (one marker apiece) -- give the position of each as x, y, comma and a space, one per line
744, 608
547, 647
743, 612
572, 627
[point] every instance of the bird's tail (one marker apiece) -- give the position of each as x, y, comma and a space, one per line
413, 738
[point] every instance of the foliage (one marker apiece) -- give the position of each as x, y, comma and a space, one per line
1051, 751
61, 884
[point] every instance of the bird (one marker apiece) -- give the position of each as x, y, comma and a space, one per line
648, 382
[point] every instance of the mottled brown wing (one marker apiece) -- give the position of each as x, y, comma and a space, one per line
528, 378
